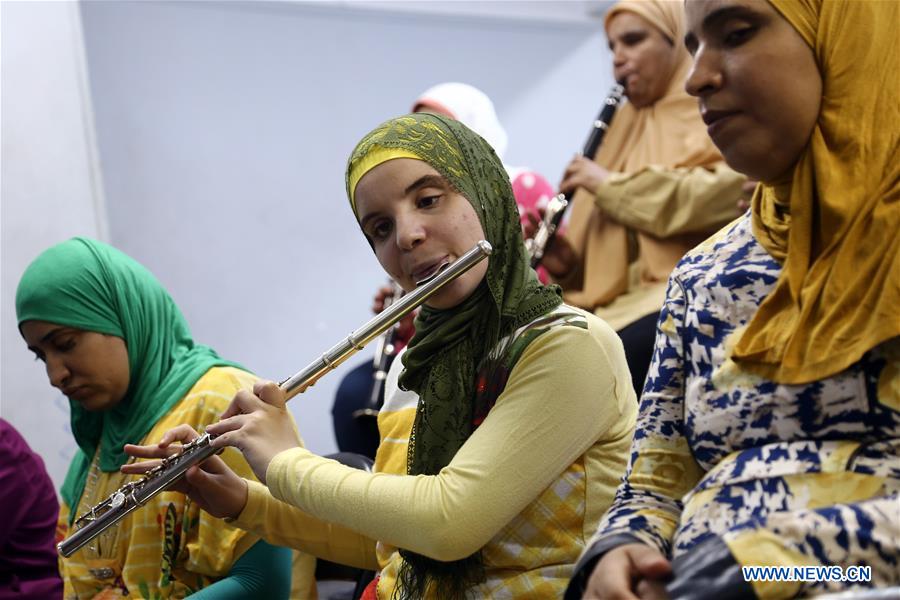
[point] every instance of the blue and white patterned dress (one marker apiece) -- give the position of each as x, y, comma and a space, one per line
771, 474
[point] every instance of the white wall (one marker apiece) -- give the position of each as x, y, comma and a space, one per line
224, 130
224, 127
50, 189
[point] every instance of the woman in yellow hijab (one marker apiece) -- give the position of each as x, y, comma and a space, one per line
656, 187
766, 462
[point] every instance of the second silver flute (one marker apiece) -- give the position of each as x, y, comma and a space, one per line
135, 494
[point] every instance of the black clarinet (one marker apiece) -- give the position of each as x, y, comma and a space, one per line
385, 349
556, 208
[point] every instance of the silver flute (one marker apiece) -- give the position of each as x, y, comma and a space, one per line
135, 494
553, 215
385, 349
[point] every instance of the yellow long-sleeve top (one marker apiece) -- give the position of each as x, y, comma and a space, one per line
666, 212
527, 488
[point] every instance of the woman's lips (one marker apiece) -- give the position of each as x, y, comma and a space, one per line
627, 81
77, 393
716, 119
422, 275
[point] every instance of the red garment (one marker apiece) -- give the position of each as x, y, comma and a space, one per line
369, 593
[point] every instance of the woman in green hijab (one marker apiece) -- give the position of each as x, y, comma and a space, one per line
506, 421
118, 347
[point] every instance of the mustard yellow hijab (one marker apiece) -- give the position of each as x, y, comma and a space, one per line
839, 292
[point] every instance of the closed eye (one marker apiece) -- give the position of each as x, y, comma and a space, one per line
38, 354
64, 345
690, 43
633, 38
738, 36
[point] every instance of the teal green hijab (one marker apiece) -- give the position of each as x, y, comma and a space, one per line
441, 360
89, 285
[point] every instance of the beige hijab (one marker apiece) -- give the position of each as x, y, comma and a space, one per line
669, 133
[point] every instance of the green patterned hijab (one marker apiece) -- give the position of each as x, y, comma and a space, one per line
441, 360
89, 285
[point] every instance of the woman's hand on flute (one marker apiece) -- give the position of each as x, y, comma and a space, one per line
212, 484
258, 425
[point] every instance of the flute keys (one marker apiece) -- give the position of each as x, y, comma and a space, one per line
103, 573
118, 500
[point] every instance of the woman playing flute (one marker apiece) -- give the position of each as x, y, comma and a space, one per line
506, 419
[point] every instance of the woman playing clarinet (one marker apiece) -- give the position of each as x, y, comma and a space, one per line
656, 187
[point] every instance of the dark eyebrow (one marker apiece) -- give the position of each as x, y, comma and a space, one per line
719, 16
52, 334
635, 31
727, 12
425, 181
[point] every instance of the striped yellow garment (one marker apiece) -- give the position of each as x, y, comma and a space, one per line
169, 548
532, 556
